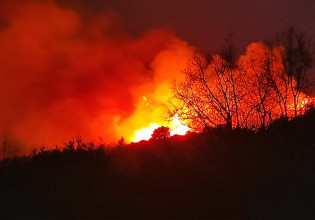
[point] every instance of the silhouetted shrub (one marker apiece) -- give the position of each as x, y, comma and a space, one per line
161, 133
121, 142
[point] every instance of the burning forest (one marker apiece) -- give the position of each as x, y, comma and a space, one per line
64, 76
121, 109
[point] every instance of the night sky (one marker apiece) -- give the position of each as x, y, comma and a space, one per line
205, 23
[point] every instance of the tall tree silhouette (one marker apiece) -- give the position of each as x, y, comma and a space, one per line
298, 58
251, 90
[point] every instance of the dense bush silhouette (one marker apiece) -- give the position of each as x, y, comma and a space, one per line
161, 133
214, 174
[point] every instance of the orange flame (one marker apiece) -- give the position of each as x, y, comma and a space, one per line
145, 133
176, 128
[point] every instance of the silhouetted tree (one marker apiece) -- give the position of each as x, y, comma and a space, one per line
247, 91
161, 133
256, 64
7, 150
213, 91
229, 54
298, 57
121, 142
277, 79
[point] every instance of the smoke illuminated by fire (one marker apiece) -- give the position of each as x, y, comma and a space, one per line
63, 75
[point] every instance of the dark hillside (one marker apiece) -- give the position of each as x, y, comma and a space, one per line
269, 174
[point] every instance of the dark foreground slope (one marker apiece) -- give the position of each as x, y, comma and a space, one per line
267, 174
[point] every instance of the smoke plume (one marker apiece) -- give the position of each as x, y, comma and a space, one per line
64, 75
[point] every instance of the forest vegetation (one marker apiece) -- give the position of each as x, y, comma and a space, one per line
250, 152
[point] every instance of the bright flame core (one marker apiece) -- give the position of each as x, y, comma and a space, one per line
176, 128
145, 133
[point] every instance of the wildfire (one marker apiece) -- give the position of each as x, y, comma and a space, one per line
176, 128
262, 97
145, 133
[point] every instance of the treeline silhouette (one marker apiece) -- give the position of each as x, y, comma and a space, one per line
251, 90
215, 174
